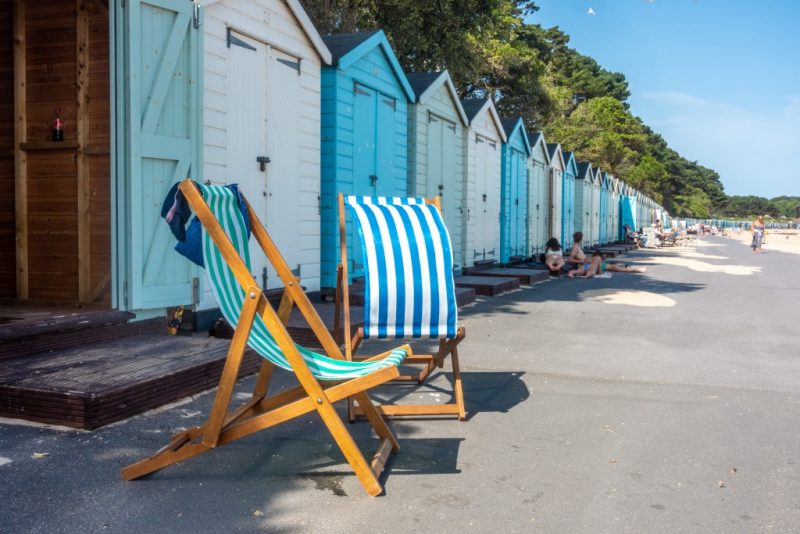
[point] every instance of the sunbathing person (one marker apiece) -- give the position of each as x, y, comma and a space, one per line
597, 265
576, 255
553, 255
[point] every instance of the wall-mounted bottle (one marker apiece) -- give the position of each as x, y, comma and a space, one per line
58, 127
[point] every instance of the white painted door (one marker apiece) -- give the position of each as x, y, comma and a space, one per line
262, 108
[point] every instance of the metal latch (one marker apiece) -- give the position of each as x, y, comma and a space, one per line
373, 179
262, 161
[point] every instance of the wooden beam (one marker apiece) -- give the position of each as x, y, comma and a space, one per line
20, 157
84, 180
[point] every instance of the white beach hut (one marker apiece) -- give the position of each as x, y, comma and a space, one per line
483, 159
261, 127
437, 152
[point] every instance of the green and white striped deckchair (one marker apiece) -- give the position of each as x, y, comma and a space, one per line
324, 378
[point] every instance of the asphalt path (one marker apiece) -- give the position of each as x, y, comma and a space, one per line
585, 415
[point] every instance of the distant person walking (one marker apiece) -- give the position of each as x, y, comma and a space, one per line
757, 229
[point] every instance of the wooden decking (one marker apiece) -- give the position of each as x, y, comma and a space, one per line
98, 383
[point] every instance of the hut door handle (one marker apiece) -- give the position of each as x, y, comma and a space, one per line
373, 179
262, 161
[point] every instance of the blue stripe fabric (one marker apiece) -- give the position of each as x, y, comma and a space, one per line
230, 295
408, 258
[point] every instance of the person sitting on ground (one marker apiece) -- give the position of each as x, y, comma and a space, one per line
576, 255
598, 265
553, 255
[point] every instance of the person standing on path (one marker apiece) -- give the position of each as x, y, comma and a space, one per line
757, 229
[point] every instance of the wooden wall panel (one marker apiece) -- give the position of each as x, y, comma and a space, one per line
8, 281
52, 225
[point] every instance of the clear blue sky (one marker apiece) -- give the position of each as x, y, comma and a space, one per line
718, 79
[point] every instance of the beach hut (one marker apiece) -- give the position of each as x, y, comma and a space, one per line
261, 128
514, 192
437, 152
568, 199
602, 235
613, 209
103, 109
628, 209
556, 186
596, 185
583, 200
365, 96
539, 197
485, 136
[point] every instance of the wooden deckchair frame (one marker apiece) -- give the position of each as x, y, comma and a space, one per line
263, 411
447, 347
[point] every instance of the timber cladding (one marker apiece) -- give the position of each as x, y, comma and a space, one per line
55, 240
7, 242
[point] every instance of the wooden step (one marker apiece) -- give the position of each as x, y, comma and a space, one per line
464, 296
106, 381
525, 276
487, 285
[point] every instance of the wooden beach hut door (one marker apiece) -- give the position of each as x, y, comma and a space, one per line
161, 122
262, 143
519, 204
487, 216
441, 170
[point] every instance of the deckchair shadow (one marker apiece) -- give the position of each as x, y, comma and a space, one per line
324, 379
409, 290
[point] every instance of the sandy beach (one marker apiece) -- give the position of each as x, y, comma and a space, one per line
776, 240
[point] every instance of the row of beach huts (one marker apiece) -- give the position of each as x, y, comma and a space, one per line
248, 92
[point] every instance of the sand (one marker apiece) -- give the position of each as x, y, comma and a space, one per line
779, 240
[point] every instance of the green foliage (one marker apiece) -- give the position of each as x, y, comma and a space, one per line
787, 206
530, 71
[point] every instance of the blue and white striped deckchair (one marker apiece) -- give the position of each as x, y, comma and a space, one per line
409, 288
324, 379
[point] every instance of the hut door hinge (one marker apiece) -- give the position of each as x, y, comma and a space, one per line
233, 40
196, 14
195, 290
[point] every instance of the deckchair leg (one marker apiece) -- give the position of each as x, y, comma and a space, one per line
378, 423
457, 388
349, 448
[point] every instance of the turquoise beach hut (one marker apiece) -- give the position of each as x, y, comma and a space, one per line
556, 186
539, 193
514, 192
365, 97
568, 199
484, 139
436, 151
583, 200
628, 209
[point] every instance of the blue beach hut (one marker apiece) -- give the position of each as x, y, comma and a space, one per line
539, 193
437, 152
365, 97
568, 199
514, 192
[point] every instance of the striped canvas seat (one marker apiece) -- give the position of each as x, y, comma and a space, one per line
409, 288
230, 295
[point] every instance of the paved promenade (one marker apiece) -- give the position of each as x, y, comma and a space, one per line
662, 402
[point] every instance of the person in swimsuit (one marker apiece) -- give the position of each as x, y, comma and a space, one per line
553, 255
598, 265
757, 229
576, 254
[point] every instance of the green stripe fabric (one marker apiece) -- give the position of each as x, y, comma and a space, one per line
230, 295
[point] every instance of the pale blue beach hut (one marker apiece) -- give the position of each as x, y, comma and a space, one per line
437, 152
365, 97
602, 221
539, 194
583, 200
556, 186
568, 199
514, 192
